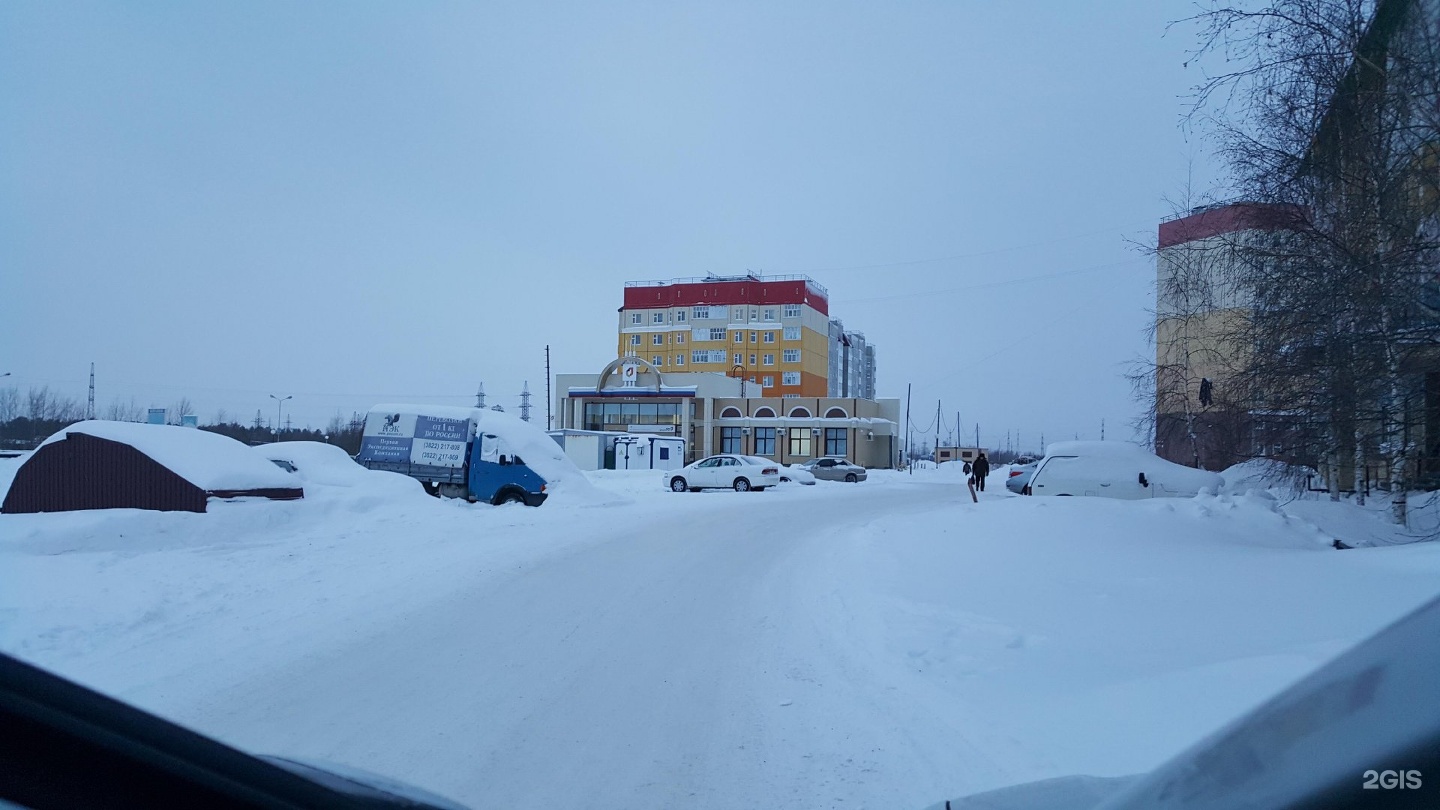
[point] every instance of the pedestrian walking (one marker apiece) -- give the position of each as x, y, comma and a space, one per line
982, 469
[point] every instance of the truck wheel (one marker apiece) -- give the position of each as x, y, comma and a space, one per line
677, 484
505, 496
431, 488
742, 485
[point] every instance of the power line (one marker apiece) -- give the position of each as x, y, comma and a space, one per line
1001, 283
979, 254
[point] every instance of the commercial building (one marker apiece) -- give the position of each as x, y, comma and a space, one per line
716, 413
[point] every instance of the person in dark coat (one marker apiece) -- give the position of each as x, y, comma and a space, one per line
982, 469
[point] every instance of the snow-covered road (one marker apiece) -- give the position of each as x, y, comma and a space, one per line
664, 666
880, 645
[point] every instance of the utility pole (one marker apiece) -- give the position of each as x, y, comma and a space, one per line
549, 422
525, 402
937, 421
977, 435
1102, 428
90, 405
480, 396
908, 386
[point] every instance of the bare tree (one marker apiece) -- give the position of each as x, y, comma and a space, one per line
1333, 108
118, 411
9, 403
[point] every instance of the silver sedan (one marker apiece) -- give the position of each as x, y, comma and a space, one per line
835, 469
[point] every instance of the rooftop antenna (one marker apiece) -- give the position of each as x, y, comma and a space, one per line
480, 396
525, 403
90, 405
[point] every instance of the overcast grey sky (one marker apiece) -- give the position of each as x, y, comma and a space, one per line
360, 202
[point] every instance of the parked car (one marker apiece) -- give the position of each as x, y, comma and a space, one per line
835, 469
796, 474
1020, 476
1116, 470
741, 473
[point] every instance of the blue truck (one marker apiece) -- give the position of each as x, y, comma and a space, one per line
468, 453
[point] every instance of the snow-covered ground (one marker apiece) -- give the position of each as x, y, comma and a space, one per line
884, 644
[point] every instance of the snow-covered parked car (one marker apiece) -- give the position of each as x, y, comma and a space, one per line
835, 469
741, 473
794, 473
1019, 476
1116, 470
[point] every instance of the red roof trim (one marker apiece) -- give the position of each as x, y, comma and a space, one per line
1229, 219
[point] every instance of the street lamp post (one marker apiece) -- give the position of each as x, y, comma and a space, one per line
279, 403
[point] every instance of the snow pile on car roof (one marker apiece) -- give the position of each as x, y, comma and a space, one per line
208, 460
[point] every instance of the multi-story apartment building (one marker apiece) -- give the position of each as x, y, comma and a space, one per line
772, 331
852, 363
1200, 418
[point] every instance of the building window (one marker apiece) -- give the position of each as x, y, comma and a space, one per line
764, 412
657, 360
659, 317
699, 356
717, 333
635, 318
790, 378
764, 441
752, 359
754, 336
769, 360
731, 413
738, 314
768, 381
700, 312
769, 337
835, 442
799, 413
679, 316
792, 333
770, 314
739, 337
658, 340
800, 441
739, 360
730, 441
679, 337
680, 359
752, 314
634, 340
791, 355
836, 413
792, 310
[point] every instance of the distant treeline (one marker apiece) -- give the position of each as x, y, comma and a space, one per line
27, 420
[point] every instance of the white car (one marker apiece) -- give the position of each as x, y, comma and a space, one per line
1115, 470
797, 474
730, 471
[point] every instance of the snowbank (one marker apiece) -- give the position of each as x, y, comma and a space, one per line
1265, 474
208, 460
328, 465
